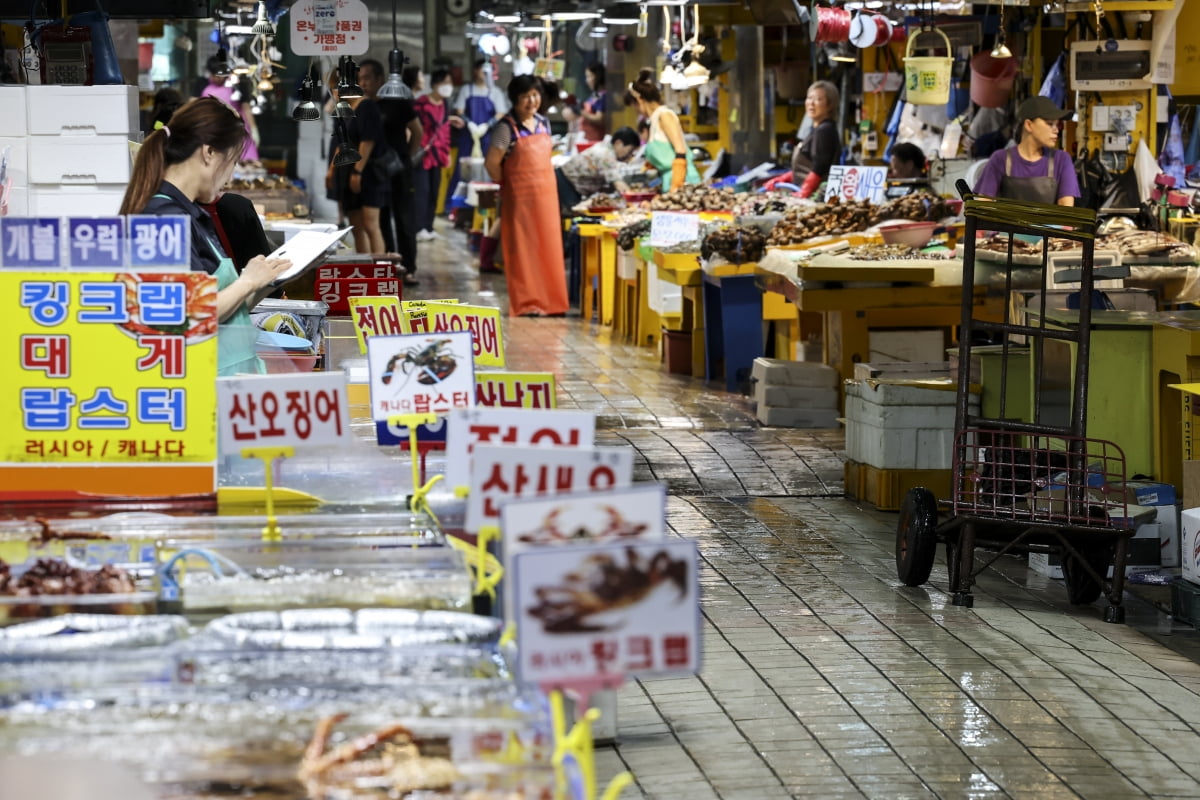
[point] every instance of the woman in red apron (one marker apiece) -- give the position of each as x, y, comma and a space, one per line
530, 227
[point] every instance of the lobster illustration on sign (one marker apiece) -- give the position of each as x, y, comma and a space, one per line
431, 364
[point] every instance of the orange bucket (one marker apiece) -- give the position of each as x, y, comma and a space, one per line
992, 79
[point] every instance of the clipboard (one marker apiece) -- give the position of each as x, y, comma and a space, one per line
303, 250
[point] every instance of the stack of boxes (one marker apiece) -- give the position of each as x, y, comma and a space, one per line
68, 147
795, 394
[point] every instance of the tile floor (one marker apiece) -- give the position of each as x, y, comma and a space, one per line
823, 676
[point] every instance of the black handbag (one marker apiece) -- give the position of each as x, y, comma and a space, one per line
387, 164
1094, 179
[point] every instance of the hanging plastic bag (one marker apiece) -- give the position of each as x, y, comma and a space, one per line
1146, 168
1171, 158
1054, 85
1094, 179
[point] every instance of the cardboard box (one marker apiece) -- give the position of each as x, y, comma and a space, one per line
1141, 555
1190, 542
1146, 493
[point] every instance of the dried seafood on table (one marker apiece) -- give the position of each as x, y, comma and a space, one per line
695, 197
836, 217
918, 206
998, 243
1145, 244
892, 252
627, 237
737, 244
605, 202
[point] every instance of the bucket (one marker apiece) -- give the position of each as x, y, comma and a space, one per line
992, 79
791, 80
927, 78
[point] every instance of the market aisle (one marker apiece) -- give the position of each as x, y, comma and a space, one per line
823, 677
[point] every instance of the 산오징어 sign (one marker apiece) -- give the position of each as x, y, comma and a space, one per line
307, 410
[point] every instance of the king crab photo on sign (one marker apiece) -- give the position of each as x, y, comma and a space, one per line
431, 364
552, 531
580, 604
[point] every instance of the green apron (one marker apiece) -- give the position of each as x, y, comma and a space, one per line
661, 156
237, 336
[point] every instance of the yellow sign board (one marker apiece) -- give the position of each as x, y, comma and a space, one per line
110, 388
482, 321
375, 316
414, 319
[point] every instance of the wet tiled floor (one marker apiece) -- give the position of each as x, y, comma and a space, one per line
823, 676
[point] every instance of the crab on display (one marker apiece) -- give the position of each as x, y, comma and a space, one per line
602, 584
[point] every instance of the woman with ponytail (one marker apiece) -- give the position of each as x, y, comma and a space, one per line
187, 162
666, 149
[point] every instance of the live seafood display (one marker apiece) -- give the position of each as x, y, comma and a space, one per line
737, 244
50, 586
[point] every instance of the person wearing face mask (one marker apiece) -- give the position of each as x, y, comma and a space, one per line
1034, 170
433, 109
186, 163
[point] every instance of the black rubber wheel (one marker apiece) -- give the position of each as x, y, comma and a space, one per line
1082, 588
916, 539
1115, 615
964, 599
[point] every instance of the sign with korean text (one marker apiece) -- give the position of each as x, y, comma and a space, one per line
375, 316
856, 183
515, 389
282, 410
96, 243
31, 243
111, 379
415, 319
329, 28
646, 622
337, 292
622, 515
672, 227
482, 321
550, 68
161, 242
479, 426
420, 374
502, 472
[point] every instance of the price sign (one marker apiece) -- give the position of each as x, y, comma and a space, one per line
374, 316
672, 227
31, 243
856, 183
96, 242
482, 321
160, 242
282, 410
419, 374
415, 319
648, 623
515, 389
110, 380
329, 28
469, 428
500, 472
550, 68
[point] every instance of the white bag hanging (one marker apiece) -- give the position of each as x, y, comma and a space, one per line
1146, 168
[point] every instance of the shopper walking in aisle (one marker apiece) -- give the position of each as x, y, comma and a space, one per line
219, 80
361, 191
433, 109
822, 147
666, 149
531, 229
185, 163
592, 122
402, 130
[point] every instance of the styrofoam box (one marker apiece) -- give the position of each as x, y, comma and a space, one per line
13, 118
907, 345
77, 160
17, 203
82, 110
627, 264
1190, 542
80, 201
795, 396
897, 426
823, 418
779, 372
18, 156
1051, 566
663, 297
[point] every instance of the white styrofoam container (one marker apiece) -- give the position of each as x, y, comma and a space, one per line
907, 345
779, 372
17, 202
82, 110
18, 156
795, 396
1190, 542
1168, 535
81, 201
627, 264
824, 418
13, 121
77, 160
900, 426
663, 297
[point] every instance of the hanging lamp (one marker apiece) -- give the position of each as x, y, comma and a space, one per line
395, 86
307, 111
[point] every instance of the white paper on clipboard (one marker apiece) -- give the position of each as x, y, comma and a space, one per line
303, 249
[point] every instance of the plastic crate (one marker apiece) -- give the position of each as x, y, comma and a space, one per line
885, 488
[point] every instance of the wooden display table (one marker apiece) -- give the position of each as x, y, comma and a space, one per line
599, 266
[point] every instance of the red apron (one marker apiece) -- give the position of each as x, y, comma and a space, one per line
531, 230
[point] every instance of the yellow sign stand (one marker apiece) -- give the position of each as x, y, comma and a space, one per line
272, 532
577, 744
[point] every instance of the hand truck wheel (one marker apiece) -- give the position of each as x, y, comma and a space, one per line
916, 538
1082, 588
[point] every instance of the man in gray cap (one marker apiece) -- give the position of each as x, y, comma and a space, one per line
1035, 170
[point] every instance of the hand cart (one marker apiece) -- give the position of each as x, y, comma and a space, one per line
1026, 486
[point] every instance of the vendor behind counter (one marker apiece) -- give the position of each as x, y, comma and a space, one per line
1035, 170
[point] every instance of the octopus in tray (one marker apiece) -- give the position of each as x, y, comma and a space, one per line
200, 310
386, 763
604, 584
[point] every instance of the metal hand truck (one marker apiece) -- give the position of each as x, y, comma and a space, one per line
1025, 486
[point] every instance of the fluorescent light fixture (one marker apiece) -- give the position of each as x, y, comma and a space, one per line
616, 17
844, 59
572, 16
506, 19
598, 32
